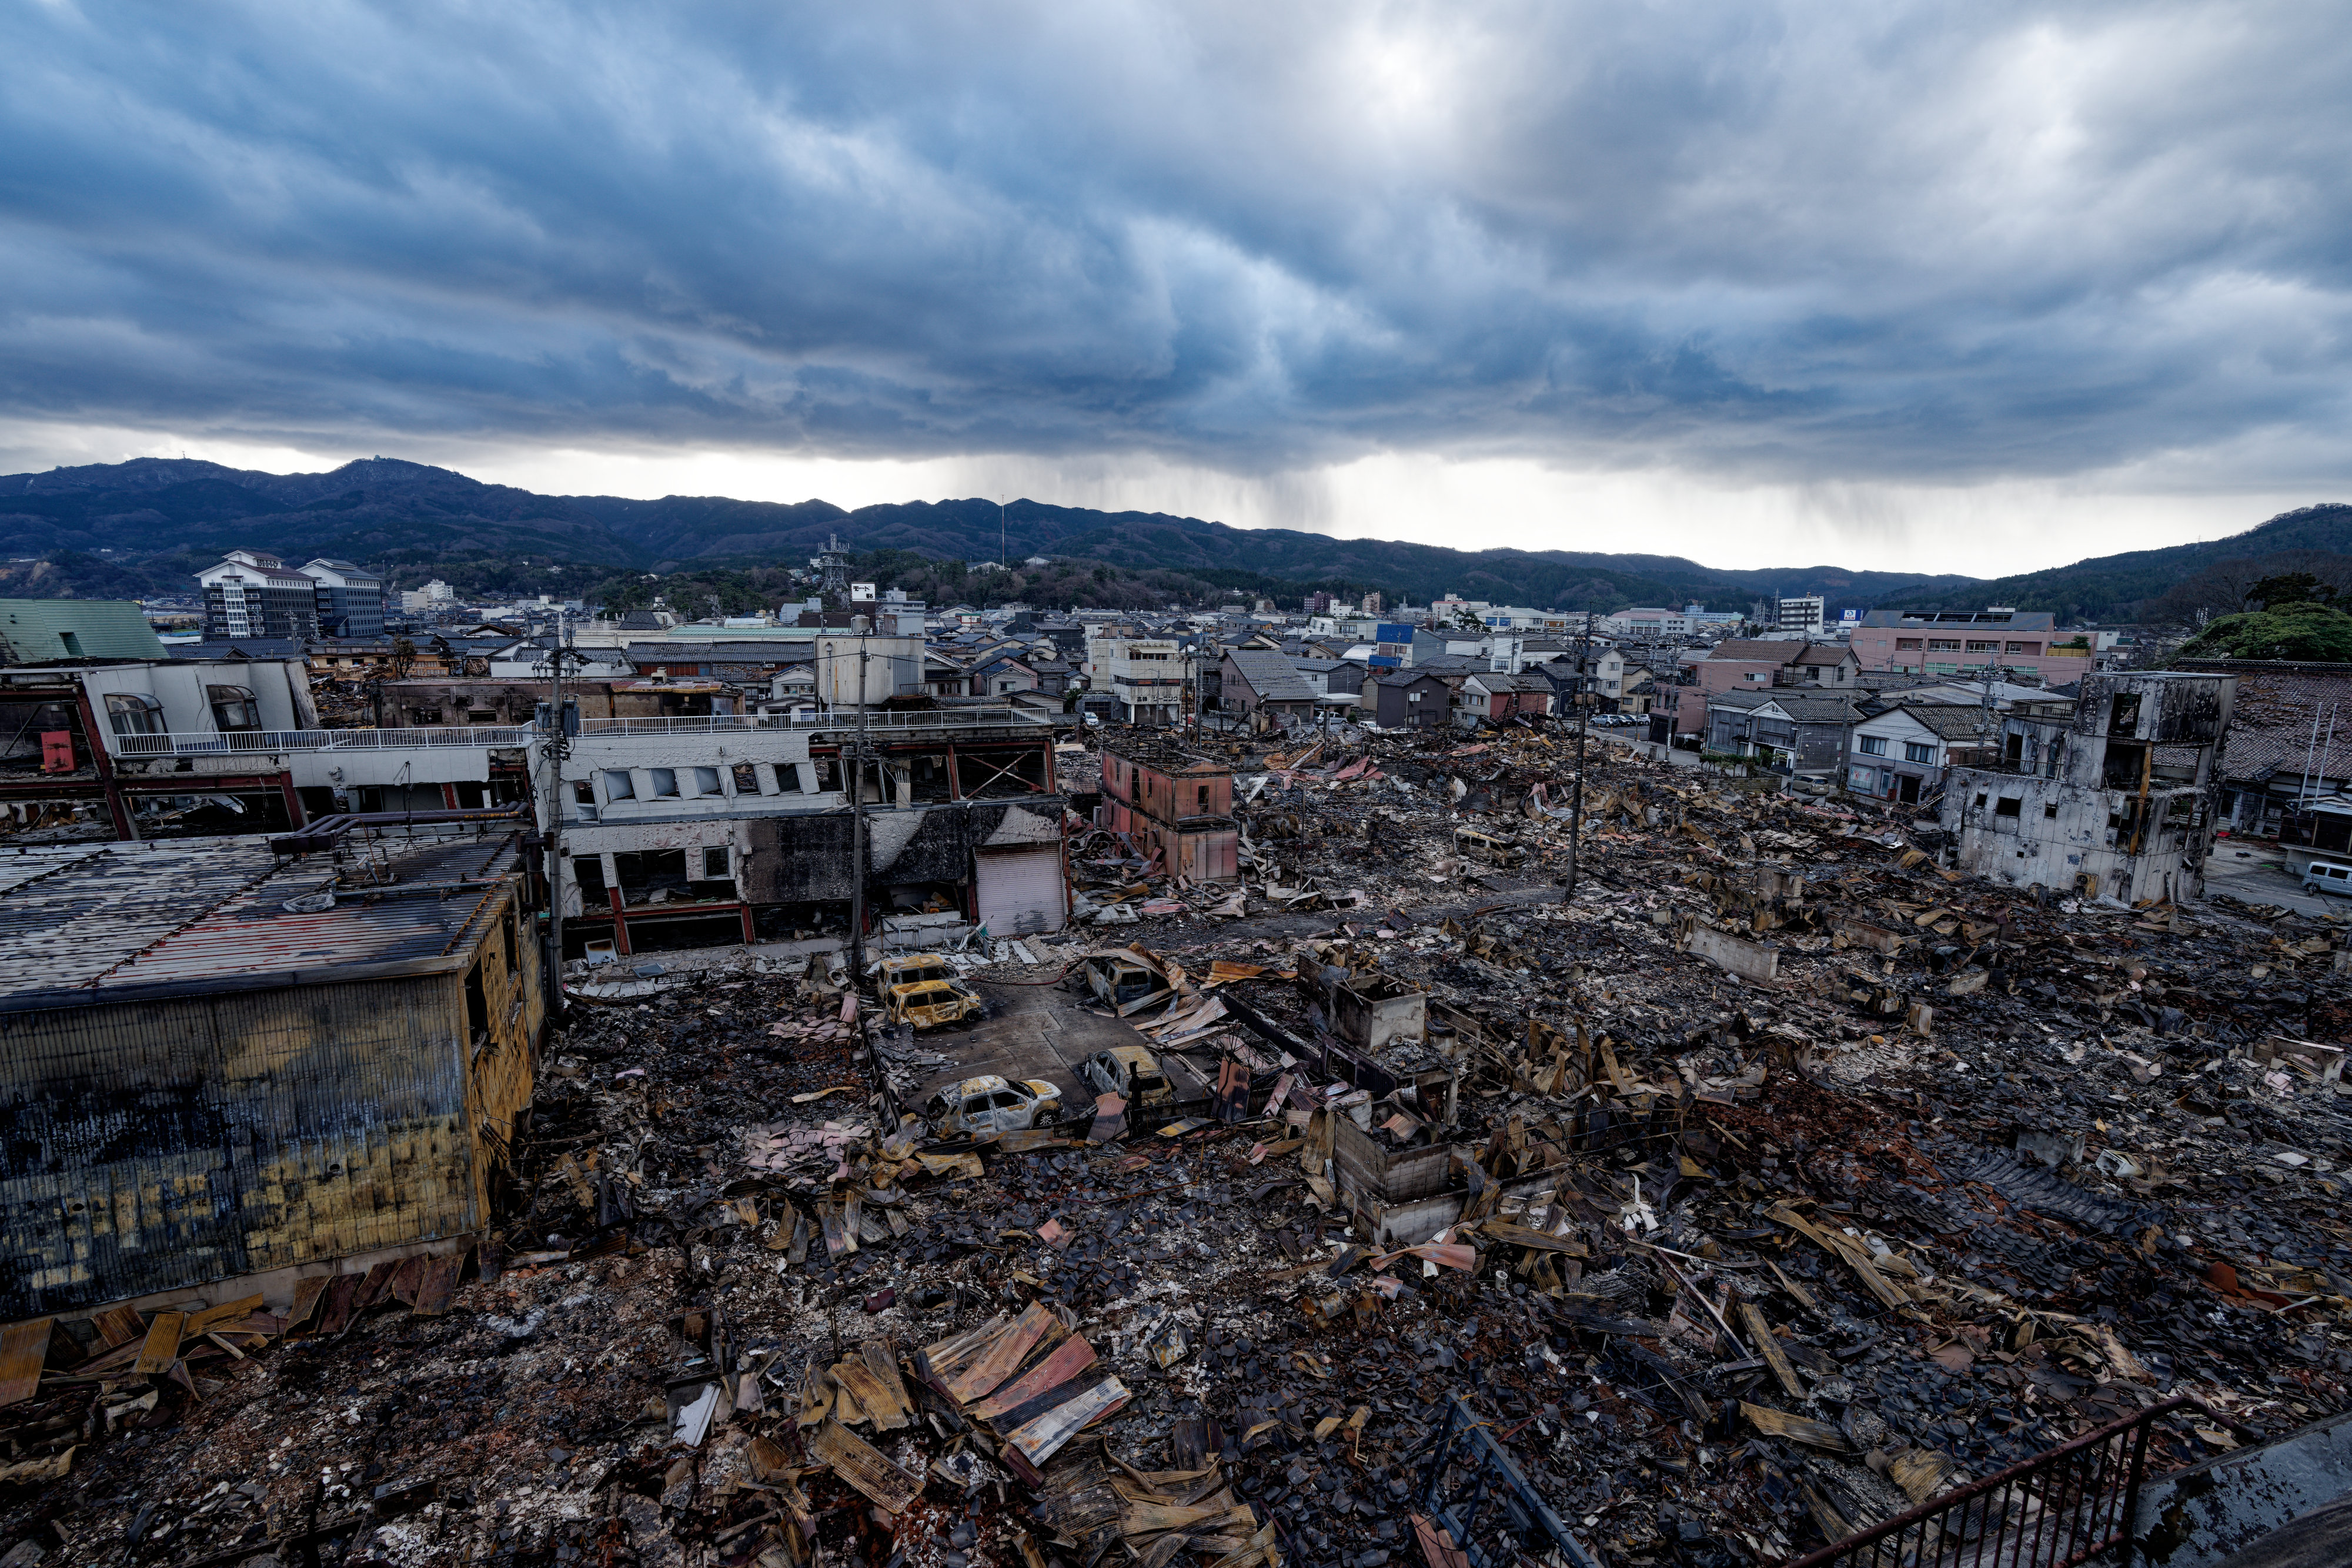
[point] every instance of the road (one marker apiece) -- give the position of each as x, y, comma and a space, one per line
2259, 876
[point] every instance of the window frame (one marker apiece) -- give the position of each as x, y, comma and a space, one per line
136, 706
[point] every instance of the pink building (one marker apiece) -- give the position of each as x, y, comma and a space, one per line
2021, 642
1747, 665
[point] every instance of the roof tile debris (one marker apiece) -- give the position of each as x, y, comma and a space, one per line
1723, 1268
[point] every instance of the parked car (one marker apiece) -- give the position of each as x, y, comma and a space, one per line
1129, 1072
2327, 877
980, 1106
931, 1004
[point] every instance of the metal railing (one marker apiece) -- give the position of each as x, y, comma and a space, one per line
1475, 1491
878, 723
200, 743
207, 743
2053, 1511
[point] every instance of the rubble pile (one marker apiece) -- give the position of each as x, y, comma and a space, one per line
1772, 1180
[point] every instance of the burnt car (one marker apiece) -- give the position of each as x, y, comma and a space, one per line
931, 1004
1124, 984
978, 1107
1130, 1073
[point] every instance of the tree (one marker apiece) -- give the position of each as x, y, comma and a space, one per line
2308, 632
2290, 587
403, 657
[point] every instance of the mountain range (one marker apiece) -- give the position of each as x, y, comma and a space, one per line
144, 524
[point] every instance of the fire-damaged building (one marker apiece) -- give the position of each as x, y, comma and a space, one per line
2115, 799
1173, 805
694, 832
230, 1067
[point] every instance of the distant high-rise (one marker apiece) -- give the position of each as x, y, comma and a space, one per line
1804, 615
350, 598
252, 594
1373, 603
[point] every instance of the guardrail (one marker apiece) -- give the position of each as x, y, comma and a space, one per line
2053, 1510
238, 741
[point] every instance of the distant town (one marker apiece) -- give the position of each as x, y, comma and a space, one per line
1070, 1007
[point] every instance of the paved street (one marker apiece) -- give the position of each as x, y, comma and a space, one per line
2260, 877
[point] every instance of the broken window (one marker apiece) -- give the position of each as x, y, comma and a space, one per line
619, 785
2007, 806
650, 876
747, 779
2124, 717
714, 863
234, 707
131, 714
584, 793
2051, 811
588, 871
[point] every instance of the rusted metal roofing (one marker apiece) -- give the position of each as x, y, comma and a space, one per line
106, 922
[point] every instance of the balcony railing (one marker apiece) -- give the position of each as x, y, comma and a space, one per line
239, 742
885, 721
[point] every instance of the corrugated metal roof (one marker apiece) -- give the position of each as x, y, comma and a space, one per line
196, 913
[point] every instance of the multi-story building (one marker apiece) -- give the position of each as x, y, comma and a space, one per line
349, 598
1900, 753
188, 748
1146, 676
2024, 641
1649, 623
1174, 805
699, 832
252, 594
2115, 800
1804, 615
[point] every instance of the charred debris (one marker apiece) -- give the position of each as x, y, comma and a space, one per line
1777, 1179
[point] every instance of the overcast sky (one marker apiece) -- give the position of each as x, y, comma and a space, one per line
1971, 287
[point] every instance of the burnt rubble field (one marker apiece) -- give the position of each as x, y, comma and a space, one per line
1739, 1265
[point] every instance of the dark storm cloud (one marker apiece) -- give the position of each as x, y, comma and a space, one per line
1902, 241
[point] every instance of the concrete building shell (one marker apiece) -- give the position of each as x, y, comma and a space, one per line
2116, 801
692, 833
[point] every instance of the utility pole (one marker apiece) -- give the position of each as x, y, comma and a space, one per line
857, 832
1576, 808
555, 739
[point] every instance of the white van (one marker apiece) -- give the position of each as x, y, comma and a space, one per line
2327, 877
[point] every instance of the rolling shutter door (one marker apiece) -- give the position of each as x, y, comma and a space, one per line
1021, 889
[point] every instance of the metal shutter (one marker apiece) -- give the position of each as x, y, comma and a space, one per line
1021, 890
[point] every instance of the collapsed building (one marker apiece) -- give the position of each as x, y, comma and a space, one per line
230, 1067
1532, 1155
688, 833
2116, 796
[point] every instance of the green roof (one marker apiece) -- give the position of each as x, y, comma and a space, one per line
40, 631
